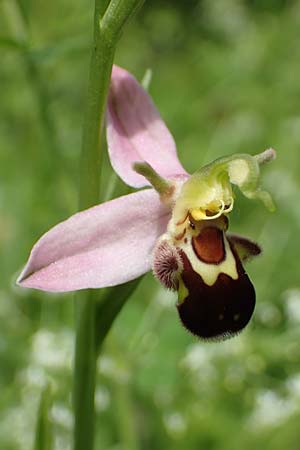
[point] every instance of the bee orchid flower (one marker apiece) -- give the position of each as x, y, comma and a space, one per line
177, 225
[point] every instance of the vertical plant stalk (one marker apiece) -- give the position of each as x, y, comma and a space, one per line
126, 415
85, 347
109, 19
43, 432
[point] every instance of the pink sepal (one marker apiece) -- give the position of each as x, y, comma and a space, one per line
136, 132
106, 245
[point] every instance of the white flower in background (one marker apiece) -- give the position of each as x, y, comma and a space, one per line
292, 301
52, 350
271, 409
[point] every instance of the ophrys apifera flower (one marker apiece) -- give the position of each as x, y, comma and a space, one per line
178, 227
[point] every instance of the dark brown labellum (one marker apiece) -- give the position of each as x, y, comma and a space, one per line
218, 311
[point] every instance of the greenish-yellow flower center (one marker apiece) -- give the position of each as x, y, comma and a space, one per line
207, 194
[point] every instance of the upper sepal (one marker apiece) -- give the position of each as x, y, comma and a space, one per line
136, 132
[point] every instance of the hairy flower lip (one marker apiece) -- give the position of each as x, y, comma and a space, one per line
219, 310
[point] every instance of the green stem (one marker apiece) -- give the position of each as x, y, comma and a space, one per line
84, 371
117, 15
43, 432
124, 406
126, 415
100, 71
102, 53
85, 347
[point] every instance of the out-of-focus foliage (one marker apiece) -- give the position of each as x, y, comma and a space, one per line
226, 79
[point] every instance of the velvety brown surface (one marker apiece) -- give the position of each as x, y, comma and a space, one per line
217, 311
246, 248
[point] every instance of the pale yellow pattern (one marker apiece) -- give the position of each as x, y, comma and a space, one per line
210, 272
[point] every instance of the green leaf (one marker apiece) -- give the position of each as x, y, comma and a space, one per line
11, 43
109, 307
43, 431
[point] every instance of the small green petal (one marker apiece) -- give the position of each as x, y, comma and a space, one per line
264, 196
182, 291
164, 187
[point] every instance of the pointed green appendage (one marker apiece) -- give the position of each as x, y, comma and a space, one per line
163, 187
182, 291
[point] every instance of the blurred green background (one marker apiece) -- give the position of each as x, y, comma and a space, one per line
226, 78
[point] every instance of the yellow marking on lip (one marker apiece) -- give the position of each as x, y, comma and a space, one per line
210, 272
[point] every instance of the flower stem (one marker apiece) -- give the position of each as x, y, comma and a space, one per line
102, 53
108, 24
84, 371
85, 346
100, 71
43, 432
126, 415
